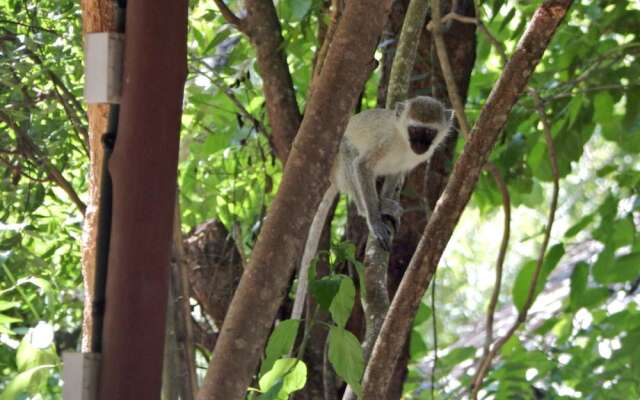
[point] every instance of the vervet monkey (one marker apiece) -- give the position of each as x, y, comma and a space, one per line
376, 142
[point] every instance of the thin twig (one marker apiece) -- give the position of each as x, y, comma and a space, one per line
571, 92
522, 315
36, 27
453, 16
231, 18
445, 66
78, 126
506, 206
434, 328
490, 167
493, 41
241, 109
32, 151
65, 96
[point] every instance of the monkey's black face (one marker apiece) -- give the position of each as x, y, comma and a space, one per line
421, 138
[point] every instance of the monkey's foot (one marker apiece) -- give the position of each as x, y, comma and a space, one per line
391, 212
383, 233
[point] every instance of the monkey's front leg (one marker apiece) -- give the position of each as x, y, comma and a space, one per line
390, 208
366, 191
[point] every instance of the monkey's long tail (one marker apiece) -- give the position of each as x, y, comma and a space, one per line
310, 249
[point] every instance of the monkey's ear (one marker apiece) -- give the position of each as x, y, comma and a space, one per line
400, 107
449, 115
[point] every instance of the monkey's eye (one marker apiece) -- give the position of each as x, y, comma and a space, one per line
421, 137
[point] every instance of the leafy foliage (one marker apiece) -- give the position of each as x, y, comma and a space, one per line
587, 344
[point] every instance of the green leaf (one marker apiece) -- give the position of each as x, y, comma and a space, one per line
346, 251
417, 346
423, 314
26, 383
522, 283
624, 232
455, 357
625, 268
273, 392
324, 290
7, 320
287, 376
39, 282
603, 264
606, 170
595, 296
579, 280
280, 343
294, 10
579, 226
512, 347
345, 354
603, 107
507, 18
343, 302
575, 105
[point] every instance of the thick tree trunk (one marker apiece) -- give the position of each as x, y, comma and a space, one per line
281, 241
97, 16
143, 169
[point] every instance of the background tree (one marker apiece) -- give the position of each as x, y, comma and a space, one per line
581, 335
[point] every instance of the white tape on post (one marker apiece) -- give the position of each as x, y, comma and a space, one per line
80, 376
103, 67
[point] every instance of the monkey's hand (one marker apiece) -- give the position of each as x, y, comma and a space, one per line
383, 233
391, 212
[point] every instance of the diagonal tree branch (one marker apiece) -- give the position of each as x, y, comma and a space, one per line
489, 166
458, 191
281, 240
229, 15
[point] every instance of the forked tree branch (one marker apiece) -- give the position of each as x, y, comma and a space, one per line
281, 239
491, 121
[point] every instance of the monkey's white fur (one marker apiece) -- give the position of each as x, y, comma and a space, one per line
375, 143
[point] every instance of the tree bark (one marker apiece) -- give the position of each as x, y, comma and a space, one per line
214, 267
281, 241
457, 193
263, 28
97, 16
143, 169
424, 185
375, 299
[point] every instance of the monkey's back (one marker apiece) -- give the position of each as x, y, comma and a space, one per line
368, 128
365, 133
